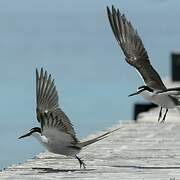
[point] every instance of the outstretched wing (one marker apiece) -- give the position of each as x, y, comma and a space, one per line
49, 114
133, 48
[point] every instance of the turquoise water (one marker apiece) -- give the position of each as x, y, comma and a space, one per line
74, 42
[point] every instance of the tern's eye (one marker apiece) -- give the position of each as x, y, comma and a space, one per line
149, 89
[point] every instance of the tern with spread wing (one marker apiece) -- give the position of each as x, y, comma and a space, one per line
56, 134
136, 55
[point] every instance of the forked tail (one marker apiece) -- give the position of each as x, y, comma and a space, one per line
88, 142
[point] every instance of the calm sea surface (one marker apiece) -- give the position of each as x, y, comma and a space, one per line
74, 42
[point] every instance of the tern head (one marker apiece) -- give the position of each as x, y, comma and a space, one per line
34, 131
142, 89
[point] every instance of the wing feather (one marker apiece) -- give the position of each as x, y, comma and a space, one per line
133, 48
49, 114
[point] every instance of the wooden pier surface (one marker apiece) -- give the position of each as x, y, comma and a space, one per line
138, 151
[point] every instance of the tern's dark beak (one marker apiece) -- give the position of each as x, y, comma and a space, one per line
25, 135
133, 94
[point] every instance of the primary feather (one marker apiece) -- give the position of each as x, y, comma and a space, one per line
49, 114
133, 48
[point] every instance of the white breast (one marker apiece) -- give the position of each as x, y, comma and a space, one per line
160, 99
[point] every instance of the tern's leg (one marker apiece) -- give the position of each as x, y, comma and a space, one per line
160, 114
164, 116
81, 162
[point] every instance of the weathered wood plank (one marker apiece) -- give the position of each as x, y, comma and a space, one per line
142, 150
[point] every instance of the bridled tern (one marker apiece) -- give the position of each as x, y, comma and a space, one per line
56, 133
136, 55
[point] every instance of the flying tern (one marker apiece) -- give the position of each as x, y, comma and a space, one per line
136, 55
56, 133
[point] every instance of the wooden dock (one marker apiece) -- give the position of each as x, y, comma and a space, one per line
138, 151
